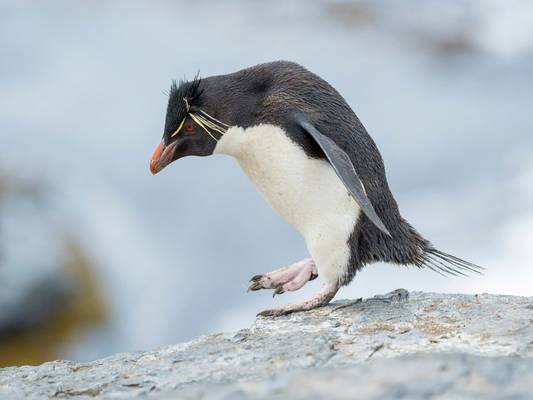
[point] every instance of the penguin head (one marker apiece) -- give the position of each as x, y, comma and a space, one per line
190, 128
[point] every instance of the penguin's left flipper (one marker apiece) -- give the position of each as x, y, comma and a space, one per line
345, 170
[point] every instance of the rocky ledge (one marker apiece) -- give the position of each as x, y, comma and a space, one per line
400, 345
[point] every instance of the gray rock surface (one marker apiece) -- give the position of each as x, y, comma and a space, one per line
424, 345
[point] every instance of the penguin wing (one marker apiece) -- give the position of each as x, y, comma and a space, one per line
345, 170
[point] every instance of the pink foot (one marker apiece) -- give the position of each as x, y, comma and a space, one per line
327, 292
286, 279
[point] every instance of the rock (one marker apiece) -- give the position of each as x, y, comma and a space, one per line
424, 345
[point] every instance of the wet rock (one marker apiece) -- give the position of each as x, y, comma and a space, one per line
394, 346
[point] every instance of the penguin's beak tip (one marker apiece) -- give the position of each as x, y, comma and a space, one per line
153, 167
156, 157
162, 156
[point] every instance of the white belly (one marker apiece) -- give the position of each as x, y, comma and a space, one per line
306, 192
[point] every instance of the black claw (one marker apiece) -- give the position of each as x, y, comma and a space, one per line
255, 286
275, 313
279, 290
313, 277
255, 278
266, 313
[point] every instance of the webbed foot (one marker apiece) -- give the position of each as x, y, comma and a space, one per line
286, 279
323, 297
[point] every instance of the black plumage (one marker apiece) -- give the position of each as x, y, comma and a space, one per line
274, 93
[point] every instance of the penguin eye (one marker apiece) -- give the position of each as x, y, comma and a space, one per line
189, 128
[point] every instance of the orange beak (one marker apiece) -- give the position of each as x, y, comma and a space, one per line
162, 156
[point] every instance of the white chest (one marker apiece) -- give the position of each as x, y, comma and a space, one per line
306, 192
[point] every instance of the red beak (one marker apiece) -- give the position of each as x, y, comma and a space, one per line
162, 157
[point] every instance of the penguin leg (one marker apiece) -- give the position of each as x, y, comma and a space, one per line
323, 297
286, 279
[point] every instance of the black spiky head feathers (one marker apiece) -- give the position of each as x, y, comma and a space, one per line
181, 98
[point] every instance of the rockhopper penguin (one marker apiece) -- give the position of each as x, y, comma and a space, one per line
308, 154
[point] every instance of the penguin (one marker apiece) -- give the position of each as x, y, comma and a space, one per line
311, 158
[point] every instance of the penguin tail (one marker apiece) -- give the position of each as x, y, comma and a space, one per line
447, 264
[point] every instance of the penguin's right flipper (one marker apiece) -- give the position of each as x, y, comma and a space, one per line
345, 170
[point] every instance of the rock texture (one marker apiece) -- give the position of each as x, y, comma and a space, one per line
422, 345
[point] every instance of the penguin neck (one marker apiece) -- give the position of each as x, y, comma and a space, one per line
232, 143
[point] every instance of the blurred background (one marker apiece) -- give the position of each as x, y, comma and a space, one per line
97, 256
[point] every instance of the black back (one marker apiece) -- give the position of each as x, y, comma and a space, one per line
273, 92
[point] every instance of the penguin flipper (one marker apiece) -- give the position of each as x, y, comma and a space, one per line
345, 170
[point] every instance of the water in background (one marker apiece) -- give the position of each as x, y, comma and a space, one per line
444, 88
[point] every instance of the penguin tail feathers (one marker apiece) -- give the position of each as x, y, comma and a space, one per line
447, 264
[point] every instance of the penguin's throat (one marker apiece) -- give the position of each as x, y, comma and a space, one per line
232, 143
